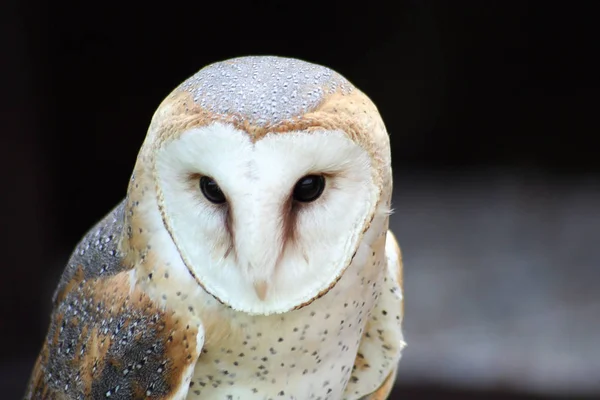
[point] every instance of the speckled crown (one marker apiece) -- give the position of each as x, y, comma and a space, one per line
263, 90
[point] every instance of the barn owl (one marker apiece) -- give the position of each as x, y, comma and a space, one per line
250, 258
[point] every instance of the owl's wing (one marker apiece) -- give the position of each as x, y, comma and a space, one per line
375, 367
107, 338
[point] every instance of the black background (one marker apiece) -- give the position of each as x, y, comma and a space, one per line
461, 85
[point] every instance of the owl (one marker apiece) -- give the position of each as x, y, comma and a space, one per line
251, 257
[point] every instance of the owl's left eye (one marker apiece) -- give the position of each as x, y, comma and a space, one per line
211, 190
309, 188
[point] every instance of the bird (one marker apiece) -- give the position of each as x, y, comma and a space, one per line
251, 257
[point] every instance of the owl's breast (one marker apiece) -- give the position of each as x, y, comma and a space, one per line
302, 354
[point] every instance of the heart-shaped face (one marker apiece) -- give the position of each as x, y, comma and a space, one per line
270, 225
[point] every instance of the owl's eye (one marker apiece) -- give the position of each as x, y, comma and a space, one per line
211, 190
309, 188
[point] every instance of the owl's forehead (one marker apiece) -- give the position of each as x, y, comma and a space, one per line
264, 90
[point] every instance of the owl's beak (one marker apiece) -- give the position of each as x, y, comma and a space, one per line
261, 288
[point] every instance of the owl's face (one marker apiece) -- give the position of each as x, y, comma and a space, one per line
265, 225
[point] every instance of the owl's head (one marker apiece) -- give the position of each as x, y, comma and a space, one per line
266, 172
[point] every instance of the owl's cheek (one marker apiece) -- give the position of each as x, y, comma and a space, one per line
221, 247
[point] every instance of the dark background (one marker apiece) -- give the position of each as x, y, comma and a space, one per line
483, 88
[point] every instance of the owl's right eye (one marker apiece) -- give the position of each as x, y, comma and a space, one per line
211, 190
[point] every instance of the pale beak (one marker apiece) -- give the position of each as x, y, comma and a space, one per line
261, 288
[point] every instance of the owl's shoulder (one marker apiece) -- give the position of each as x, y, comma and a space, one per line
97, 253
382, 342
107, 337
393, 254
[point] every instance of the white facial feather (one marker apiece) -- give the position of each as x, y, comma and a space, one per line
233, 247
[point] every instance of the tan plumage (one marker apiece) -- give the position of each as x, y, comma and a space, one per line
173, 297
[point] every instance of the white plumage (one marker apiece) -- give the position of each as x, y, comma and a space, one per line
252, 258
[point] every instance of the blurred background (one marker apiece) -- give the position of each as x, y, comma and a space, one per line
492, 108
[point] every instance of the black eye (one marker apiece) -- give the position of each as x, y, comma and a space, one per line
309, 188
211, 190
